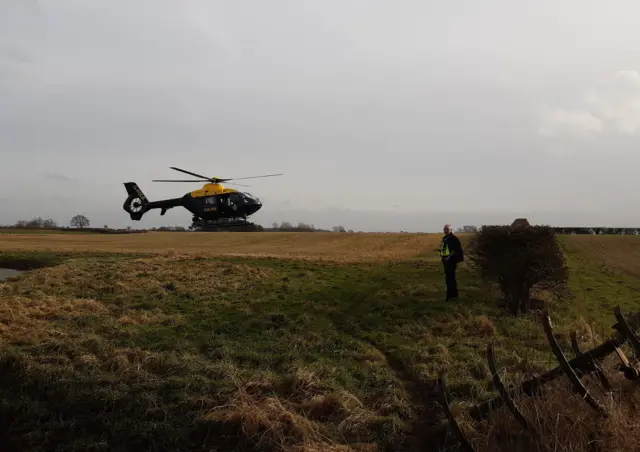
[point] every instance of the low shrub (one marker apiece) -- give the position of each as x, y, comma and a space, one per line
519, 259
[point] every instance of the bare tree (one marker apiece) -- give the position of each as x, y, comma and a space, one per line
80, 221
49, 224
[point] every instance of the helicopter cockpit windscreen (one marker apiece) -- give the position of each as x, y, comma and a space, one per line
251, 198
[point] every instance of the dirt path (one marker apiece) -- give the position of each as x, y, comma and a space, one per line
426, 433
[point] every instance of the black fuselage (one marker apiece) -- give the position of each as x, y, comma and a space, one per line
226, 205
214, 207
210, 207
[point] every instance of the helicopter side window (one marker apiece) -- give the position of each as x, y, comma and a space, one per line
235, 198
234, 201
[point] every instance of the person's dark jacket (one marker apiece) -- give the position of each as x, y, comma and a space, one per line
455, 247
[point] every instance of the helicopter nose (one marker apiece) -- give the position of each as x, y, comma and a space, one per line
253, 208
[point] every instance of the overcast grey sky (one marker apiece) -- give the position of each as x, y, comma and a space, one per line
397, 115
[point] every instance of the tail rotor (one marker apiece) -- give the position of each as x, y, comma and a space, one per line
136, 203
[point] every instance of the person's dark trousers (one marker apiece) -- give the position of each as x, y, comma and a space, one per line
450, 278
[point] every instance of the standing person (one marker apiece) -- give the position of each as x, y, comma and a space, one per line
452, 254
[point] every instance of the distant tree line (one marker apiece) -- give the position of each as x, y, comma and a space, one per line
304, 227
78, 221
81, 222
168, 229
468, 229
573, 230
598, 231
36, 223
284, 226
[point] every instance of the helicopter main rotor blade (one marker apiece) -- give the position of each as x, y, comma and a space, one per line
215, 179
173, 180
190, 173
250, 177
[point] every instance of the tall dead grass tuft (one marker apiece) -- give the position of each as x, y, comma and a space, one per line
266, 422
321, 447
294, 413
30, 319
154, 317
563, 422
301, 384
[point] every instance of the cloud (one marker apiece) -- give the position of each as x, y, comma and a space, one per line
52, 175
613, 106
575, 122
617, 102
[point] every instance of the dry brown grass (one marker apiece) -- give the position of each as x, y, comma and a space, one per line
346, 247
164, 338
296, 413
31, 308
562, 421
28, 319
271, 355
156, 276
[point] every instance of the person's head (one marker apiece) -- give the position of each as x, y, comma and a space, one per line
447, 229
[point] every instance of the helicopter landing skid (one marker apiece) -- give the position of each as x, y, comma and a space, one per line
204, 225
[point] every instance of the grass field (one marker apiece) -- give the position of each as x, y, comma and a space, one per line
344, 247
273, 341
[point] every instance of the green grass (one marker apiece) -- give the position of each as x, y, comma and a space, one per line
599, 287
124, 352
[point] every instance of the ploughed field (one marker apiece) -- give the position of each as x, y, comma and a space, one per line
269, 341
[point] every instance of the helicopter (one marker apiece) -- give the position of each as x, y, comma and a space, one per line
212, 204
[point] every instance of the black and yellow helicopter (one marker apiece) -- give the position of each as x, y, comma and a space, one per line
213, 203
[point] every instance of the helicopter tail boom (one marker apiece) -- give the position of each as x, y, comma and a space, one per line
137, 203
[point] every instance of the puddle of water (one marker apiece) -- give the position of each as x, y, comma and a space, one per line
8, 272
